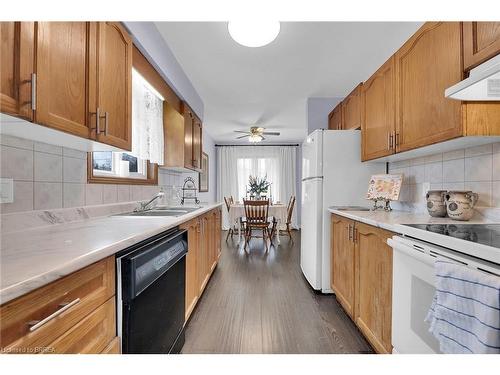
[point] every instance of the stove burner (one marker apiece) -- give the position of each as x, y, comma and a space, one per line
485, 234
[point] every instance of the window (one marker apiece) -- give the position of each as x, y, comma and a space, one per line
118, 164
258, 167
106, 167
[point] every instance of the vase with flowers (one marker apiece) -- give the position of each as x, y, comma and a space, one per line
257, 186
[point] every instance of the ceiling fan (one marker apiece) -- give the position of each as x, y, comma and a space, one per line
256, 134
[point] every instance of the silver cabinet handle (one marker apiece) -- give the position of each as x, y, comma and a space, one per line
106, 117
354, 233
97, 117
396, 139
34, 325
33, 91
349, 231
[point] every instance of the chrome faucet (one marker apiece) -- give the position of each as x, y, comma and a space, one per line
144, 206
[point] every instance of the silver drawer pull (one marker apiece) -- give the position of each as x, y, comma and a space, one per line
35, 324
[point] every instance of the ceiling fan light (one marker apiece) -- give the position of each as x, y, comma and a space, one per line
254, 138
253, 34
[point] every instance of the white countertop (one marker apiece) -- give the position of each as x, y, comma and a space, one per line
35, 257
393, 221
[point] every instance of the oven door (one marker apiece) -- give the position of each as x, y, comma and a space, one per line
412, 293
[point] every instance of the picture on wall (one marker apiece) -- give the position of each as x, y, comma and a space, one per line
203, 178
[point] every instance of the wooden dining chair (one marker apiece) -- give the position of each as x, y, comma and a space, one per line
289, 212
256, 213
232, 227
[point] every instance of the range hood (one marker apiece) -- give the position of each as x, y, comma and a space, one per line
483, 83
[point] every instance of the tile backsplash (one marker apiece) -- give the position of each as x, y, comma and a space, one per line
51, 177
476, 169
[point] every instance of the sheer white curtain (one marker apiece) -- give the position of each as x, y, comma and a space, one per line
147, 121
235, 164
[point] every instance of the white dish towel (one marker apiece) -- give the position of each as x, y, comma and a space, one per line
465, 313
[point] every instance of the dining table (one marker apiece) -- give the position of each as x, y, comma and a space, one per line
277, 210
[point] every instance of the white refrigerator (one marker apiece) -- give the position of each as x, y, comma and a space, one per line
332, 175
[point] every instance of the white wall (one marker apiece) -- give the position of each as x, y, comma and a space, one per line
318, 110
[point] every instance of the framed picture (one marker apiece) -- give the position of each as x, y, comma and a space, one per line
384, 187
203, 177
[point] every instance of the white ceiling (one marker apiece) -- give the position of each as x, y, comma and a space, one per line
269, 85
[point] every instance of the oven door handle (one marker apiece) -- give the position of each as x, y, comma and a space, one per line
412, 252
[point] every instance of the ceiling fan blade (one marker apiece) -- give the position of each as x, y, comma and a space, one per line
271, 133
241, 131
243, 136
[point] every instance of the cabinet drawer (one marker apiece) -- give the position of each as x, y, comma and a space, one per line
91, 335
84, 290
113, 347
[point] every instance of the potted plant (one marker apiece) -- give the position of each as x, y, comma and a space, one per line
257, 186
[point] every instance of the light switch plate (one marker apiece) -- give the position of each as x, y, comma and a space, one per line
6, 190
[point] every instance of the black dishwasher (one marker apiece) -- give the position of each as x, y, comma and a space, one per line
151, 279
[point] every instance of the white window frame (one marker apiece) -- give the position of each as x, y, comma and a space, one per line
118, 171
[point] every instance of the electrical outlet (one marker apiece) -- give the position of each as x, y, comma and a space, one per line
6, 190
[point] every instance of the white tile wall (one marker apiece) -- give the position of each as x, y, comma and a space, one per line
47, 176
475, 168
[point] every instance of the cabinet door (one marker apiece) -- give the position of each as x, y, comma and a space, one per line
373, 313
114, 85
197, 145
352, 110
62, 69
204, 264
192, 288
335, 118
481, 41
188, 137
378, 112
16, 68
342, 262
428, 63
218, 232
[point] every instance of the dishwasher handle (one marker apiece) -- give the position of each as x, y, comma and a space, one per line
147, 264
413, 252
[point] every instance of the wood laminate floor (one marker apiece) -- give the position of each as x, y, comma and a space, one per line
261, 303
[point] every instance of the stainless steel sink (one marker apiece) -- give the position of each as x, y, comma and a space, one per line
162, 211
350, 208
176, 209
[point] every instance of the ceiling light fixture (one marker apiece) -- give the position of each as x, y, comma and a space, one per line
254, 138
253, 34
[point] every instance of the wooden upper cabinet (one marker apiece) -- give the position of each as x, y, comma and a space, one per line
113, 100
342, 262
188, 136
173, 134
197, 143
428, 63
351, 107
16, 68
481, 41
193, 147
335, 118
378, 101
63, 51
373, 311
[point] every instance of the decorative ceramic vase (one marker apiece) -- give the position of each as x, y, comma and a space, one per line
436, 205
460, 204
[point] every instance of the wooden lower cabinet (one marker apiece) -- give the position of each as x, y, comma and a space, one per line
113, 347
342, 262
373, 311
204, 234
361, 267
87, 326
